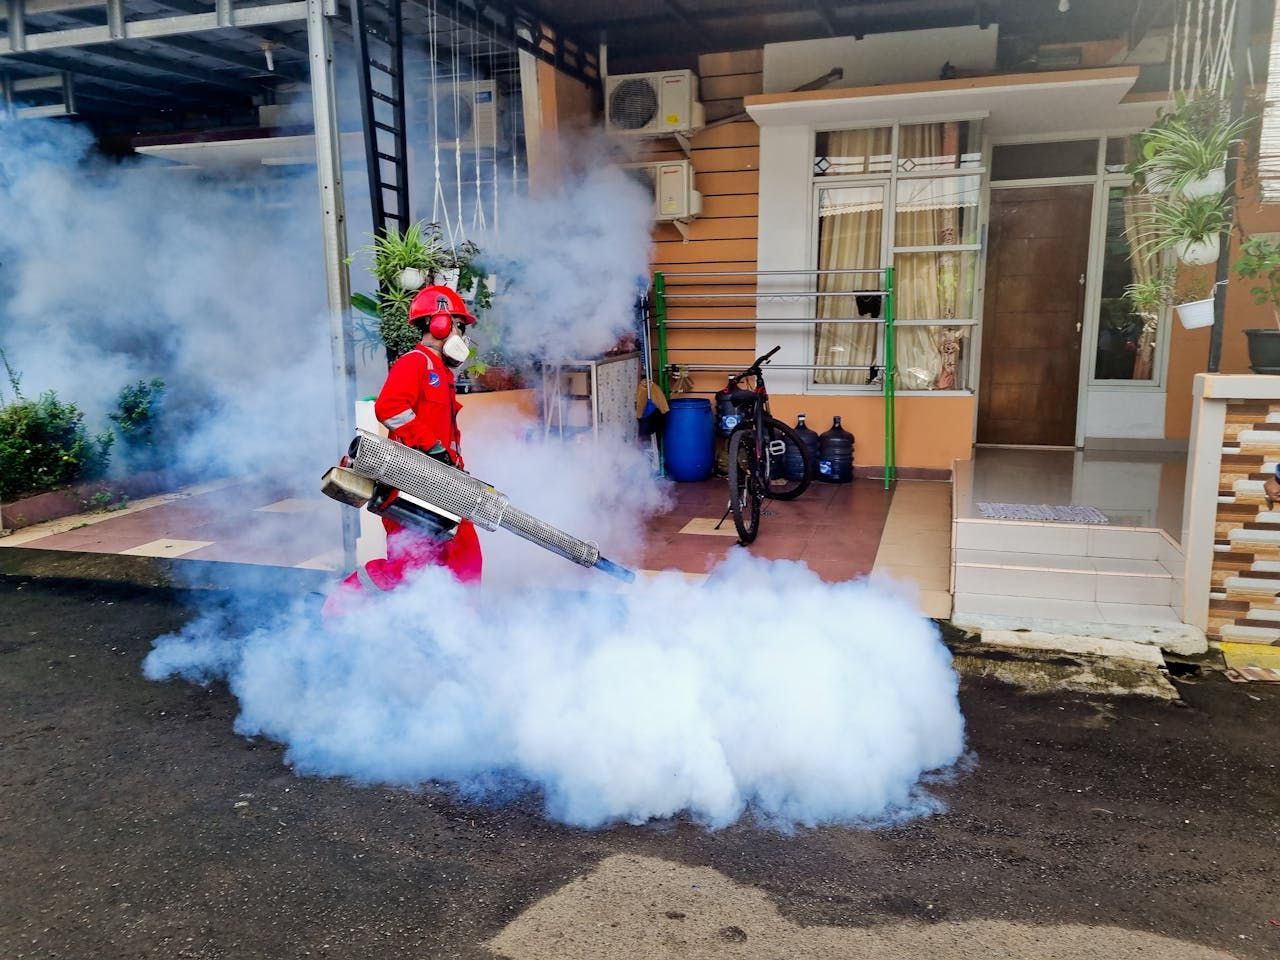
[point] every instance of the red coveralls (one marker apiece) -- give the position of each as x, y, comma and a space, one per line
418, 405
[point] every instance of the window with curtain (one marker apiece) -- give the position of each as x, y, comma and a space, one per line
929, 207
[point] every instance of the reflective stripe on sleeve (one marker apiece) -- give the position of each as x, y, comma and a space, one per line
366, 579
399, 420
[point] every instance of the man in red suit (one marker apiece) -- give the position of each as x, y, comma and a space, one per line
418, 405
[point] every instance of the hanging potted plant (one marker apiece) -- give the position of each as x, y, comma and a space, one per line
1193, 299
402, 264
1185, 152
1260, 260
1191, 228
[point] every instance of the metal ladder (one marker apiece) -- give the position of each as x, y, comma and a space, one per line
378, 29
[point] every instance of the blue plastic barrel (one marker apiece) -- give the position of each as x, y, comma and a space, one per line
687, 440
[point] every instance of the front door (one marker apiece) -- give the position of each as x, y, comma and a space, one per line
1037, 258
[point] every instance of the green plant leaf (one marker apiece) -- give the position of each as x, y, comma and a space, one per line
365, 304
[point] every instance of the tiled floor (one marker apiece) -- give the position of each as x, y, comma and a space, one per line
1133, 488
916, 543
833, 529
839, 531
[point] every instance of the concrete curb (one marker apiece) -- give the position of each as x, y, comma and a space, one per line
160, 572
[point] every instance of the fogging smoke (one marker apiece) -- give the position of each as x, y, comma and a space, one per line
764, 690
114, 272
601, 491
568, 260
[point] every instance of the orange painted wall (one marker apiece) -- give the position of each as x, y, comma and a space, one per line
1189, 349
932, 432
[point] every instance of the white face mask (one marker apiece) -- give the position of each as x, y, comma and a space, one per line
456, 349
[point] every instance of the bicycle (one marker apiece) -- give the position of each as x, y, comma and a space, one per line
757, 454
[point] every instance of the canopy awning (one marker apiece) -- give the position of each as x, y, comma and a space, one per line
1068, 102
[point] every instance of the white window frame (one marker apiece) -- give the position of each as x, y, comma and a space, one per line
889, 181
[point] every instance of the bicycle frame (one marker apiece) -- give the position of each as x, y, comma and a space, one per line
760, 407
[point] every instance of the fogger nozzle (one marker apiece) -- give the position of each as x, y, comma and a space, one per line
451, 490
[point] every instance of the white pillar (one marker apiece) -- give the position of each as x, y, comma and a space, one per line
334, 228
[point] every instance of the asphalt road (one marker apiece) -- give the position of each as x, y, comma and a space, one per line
134, 823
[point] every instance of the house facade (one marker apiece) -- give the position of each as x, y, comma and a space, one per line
999, 201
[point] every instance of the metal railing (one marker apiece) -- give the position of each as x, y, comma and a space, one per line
664, 295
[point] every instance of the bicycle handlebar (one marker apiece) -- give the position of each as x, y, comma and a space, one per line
754, 369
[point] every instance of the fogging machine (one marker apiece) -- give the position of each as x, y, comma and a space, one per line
424, 492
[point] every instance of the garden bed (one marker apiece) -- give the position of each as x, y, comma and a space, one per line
82, 498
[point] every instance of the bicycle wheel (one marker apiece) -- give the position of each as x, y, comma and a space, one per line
745, 494
778, 485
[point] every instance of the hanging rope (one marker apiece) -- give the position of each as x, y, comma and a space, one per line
457, 238
439, 207
498, 130
477, 218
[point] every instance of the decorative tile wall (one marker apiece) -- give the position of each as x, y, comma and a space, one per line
1244, 594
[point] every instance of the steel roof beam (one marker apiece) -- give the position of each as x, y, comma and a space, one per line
246, 61
246, 19
54, 61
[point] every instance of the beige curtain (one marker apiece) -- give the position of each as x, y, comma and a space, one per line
928, 284
850, 231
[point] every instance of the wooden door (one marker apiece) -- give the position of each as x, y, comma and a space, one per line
1037, 257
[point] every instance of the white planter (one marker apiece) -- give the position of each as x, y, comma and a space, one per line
448, 278
1207, 186
1196, 314
1198, 253
411, 278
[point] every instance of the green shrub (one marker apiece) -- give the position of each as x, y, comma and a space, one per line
137, 420
44, 446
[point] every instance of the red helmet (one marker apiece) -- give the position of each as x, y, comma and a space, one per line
431, 302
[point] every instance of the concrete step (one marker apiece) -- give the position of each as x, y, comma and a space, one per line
1155, 624
1083, 579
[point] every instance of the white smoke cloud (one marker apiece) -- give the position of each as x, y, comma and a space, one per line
765, 690
601, 491
568, 260
118, 271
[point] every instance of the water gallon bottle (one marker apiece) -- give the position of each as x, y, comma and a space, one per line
728, 415
687, 440
794, 461
835, 454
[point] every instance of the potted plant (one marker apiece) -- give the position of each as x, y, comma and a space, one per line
403, 264
1185, 152
1191, 227
1260, 261
1193, 299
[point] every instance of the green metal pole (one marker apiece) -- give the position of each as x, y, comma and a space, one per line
660, 316
890, 387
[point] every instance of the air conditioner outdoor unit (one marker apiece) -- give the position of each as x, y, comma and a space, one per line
653, 104
674, 199
472, 119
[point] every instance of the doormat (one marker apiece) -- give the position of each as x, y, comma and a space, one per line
1040, 511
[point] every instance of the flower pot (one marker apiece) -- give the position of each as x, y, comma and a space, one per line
411, 278
1264, 350
448, 278
1196, 314
1211, 184
1198, 253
